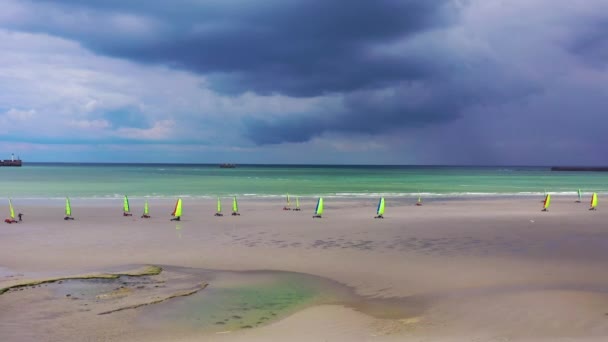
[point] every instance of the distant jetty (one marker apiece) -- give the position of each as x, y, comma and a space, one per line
11, 162
227, 166
580, 168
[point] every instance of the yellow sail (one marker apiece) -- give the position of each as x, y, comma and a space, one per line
297, 202
219, 205
177, 212
12, 210
547, 201
68, 207
146, 208
288, 201
594, 200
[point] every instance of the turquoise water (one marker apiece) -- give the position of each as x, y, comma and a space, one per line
165, 181
244, 300
235, 301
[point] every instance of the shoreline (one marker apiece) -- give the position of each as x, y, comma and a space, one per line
280, 200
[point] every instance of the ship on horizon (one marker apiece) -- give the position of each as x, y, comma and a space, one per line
11, 162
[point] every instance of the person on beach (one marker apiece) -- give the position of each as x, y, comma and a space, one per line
20, 217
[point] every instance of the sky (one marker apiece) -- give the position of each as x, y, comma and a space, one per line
467, 82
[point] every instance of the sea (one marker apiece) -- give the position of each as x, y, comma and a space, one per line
100, 181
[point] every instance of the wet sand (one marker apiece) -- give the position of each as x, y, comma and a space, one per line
480, 270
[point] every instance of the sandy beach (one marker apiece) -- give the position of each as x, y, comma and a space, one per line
465, 270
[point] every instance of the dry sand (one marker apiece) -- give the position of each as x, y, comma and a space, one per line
486, 270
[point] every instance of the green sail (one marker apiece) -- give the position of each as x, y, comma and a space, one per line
177, 212
580, 195
12, 210
235, 205
68, 207
288, 201
380, 209
319, 209
219, 205
125, 205
146, 208
297, 202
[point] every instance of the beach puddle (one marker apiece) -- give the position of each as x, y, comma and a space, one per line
245, 300
106, 289
87, 289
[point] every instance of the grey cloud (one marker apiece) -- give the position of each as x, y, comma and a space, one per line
397, 66
302, 48
297, 48
407, 105
590, 42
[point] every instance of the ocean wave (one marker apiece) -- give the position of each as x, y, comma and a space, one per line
338, 195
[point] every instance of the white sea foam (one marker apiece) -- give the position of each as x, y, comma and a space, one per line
338, 195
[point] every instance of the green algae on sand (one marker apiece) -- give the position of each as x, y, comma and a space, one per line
184, 293
147, 270
250, 299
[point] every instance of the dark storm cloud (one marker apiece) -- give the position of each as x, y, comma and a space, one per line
402, 106
384, 60
297, 48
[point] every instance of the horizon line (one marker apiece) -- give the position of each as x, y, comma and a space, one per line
302, 164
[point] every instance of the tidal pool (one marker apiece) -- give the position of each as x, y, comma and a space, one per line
244, 300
